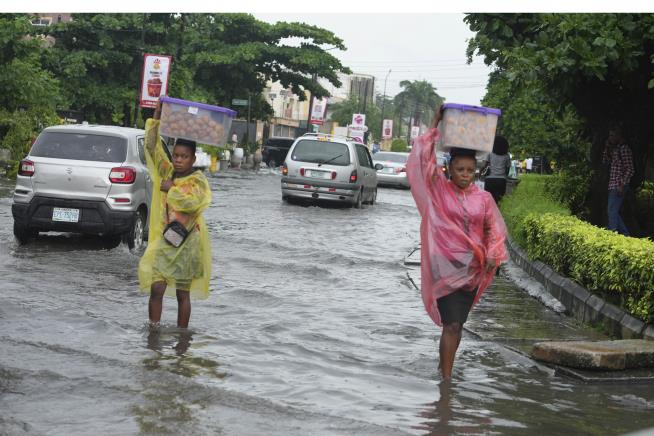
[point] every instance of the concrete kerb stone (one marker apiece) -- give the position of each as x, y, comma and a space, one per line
632, 328
611, 316
580, 303
648, 332
593, 308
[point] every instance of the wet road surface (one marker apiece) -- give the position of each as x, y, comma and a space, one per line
312, 327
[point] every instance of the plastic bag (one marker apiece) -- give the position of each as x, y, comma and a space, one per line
460, 229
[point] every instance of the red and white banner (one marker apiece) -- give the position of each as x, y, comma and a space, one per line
415, 131
358, 120
154, 78
387, 129
318, 111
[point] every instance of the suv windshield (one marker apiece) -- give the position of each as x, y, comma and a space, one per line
80, 146
398, 158
310, 150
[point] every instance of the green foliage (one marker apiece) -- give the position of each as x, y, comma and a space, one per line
21, 126
399, 145
416, 102
604, 262
571, 186
216, 58
342, 114
530, 196
614, 266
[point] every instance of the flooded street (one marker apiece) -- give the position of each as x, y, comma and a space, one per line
312, 327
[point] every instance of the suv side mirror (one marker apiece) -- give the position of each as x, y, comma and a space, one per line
379, 166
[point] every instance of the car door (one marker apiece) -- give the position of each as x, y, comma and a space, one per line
365, 164
148, 179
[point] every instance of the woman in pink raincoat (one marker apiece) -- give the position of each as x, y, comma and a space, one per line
462, 238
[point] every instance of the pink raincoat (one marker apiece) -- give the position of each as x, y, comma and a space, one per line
460, 229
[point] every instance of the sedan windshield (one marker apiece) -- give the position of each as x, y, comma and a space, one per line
310, 150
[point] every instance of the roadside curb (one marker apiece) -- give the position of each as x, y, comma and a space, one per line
579, 303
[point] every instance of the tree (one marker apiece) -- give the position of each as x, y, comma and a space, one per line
216, 57
419, 99
598, 64
342, 114
28, 94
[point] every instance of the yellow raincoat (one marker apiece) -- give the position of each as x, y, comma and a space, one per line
189, 266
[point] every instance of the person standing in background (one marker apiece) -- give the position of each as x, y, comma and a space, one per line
498, 163
617, 155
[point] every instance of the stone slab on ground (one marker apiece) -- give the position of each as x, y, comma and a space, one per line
600, 355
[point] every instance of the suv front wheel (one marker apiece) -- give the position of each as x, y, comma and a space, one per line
136, 235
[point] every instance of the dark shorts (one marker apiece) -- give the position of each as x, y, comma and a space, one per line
496, 186
456, 306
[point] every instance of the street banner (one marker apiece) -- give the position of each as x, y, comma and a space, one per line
318, 111
387, 129
415, 131
154, 78
358, 120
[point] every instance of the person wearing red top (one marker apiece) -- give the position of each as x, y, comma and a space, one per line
462, 237
618, 156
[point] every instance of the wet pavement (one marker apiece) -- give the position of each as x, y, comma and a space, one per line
312, 327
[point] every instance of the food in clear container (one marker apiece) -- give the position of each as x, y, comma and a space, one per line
467, 126
199, 122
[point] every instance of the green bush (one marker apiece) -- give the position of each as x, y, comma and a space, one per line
617, 267
571, 186
529, 196
399, 145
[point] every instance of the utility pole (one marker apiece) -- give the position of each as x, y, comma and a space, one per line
138, 93
247, 125
383, 105
314, 77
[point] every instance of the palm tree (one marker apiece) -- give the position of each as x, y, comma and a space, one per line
418, 97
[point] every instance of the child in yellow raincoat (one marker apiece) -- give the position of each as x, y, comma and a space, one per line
181, 194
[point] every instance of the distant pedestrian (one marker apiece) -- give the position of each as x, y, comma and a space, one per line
529, 162
498, 163
256, 161
462, 237
177, 260
617, 155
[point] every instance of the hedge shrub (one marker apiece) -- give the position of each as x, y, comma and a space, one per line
399, 145
618, 268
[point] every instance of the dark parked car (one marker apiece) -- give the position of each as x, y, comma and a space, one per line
275, 149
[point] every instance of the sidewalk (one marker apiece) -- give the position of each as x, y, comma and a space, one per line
518, 318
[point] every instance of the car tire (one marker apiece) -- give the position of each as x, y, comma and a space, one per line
135, 237
23, 233
359, 201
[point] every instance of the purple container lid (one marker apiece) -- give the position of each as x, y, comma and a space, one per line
230, 112
467, 107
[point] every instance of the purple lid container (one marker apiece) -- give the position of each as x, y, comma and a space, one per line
467, 107
208, 107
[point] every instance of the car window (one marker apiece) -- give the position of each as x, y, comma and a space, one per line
397, 158
80, 146
311, 150
364, 156
280, 142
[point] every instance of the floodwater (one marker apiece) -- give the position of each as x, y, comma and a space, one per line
312, 328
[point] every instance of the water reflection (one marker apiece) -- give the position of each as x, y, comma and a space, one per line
442, 419
171, 346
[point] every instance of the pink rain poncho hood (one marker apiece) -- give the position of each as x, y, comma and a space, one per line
459, 232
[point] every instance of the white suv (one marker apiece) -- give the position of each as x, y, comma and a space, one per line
84, 179
329, 167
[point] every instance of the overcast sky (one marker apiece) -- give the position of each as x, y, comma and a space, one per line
428, 47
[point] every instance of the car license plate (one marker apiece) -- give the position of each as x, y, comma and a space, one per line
388, 170
65, 214
318, 174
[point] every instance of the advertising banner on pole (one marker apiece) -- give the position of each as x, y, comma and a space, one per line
318, 111
358, 120
387, 129
154, 78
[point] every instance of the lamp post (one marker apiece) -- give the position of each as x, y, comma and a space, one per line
381, 130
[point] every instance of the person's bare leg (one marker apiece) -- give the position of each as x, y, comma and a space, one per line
183, 308
155, 305
449, 343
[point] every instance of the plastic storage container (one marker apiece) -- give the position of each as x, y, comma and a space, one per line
199, 122
471, 127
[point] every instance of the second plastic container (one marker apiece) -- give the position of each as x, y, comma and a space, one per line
466, 126
199, 122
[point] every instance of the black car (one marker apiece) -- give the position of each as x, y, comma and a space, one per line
275, 149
